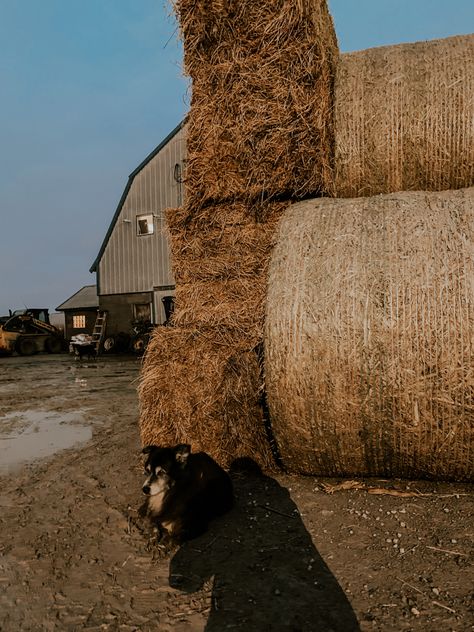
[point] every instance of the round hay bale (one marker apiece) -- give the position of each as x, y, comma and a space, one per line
369, 336
203, 388
404, 118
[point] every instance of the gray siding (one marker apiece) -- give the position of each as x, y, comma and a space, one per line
132, 263
120, 313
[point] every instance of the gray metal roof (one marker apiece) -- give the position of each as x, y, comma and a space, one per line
131, 177
84, 298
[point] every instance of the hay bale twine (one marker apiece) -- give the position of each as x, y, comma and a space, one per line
369, 336
404, 118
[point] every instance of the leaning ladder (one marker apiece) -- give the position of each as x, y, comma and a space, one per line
98, 333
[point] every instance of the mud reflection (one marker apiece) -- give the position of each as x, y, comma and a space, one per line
267, 574
33, 434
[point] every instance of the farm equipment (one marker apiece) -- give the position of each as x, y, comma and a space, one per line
142, 328
136, 340
83, 345
141, 336
28, 332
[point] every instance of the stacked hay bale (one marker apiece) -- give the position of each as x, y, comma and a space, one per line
262, 95
404, 118
370, 336
260, 135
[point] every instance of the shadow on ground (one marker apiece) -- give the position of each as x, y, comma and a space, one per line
265, 571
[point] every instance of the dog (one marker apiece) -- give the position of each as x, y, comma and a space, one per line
84, 351
184, 491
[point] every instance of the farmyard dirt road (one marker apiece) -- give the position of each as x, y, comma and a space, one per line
289, 557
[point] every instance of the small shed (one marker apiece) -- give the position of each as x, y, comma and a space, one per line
134, 275
80, 311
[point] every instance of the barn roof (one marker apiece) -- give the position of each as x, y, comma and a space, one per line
84, 298
131, 177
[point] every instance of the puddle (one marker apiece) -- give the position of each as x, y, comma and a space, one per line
32, 434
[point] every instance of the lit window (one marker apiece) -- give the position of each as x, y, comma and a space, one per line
79, 321
142, 311
145, 224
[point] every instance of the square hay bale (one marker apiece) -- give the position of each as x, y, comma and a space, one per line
404, 118
223, 254
222, 236
260, 122
220, 259
189, 219
237, 305
204, 388
259, 132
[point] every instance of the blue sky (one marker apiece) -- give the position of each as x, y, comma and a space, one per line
88, 88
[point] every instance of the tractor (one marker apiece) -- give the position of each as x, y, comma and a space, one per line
29, 331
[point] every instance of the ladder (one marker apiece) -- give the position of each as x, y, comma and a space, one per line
98, 333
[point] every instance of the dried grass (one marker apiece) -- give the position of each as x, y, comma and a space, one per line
203, 387
223, 249
201, 380
362, 302
220, 260
404, 118
259, 133
260, 122
370, 336
238, 305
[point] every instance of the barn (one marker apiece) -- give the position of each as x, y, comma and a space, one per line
133, 268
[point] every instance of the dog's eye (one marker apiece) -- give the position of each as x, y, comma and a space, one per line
147, 469
159, 470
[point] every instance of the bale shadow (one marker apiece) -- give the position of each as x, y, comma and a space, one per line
267, 574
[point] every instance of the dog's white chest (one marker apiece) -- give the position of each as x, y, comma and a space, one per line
155, 503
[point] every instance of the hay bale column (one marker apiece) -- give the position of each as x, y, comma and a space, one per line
370, 336
260, 135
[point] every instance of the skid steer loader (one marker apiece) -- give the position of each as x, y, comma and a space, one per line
26, 334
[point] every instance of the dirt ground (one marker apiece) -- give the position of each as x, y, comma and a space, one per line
296, 554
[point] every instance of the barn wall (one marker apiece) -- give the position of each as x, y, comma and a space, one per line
69, 330
132, 263
120, 310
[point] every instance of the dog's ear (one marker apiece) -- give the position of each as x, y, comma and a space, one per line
148, 448
181, 453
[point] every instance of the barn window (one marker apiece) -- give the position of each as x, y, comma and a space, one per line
79, 321
142, 311
145, 224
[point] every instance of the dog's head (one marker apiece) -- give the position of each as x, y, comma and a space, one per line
163, 467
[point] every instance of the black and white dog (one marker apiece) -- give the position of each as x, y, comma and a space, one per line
184, 491
84, 351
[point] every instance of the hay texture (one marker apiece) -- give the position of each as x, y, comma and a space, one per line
220, 261
259, 132
203, 387
370, 336
404, 118
202, 380
260, 122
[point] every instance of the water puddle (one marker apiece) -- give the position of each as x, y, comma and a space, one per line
34, 434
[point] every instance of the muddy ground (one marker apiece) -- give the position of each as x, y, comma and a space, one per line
291, 556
